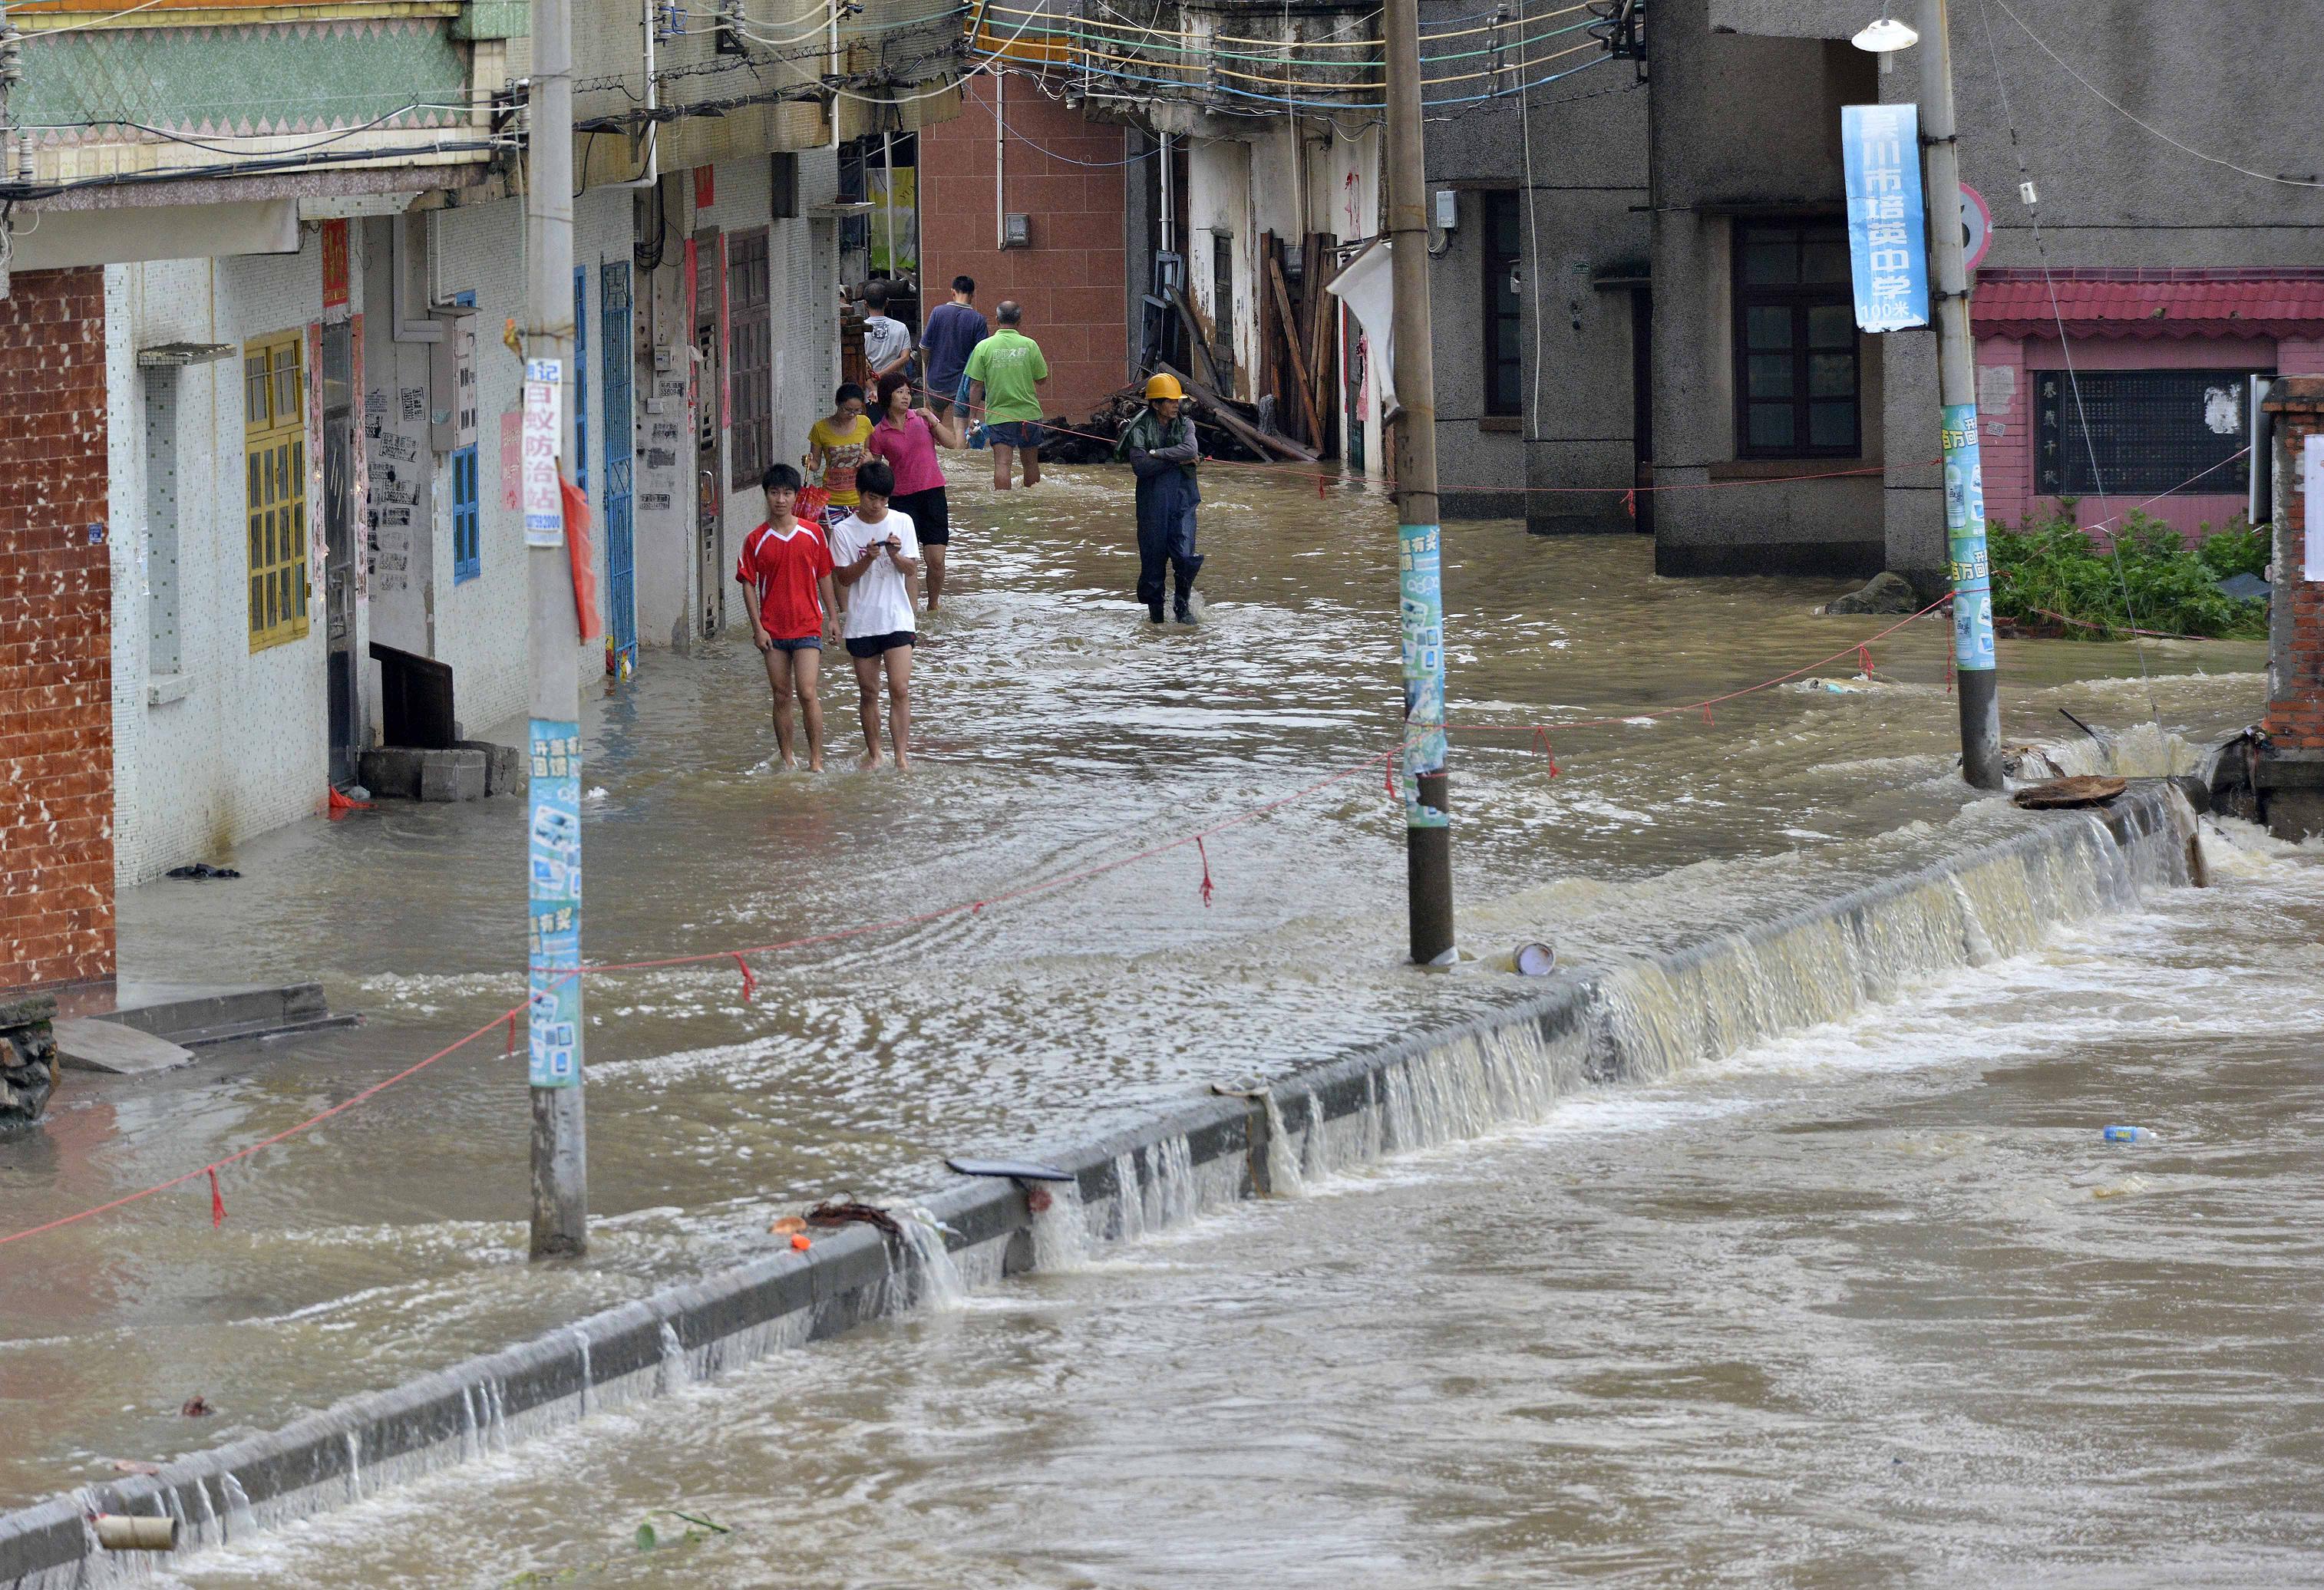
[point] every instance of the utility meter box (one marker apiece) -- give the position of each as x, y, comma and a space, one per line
452, 384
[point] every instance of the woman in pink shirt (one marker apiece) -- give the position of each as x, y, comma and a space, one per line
907, 438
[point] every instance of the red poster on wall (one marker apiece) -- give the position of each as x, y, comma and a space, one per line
706, 189
335, 265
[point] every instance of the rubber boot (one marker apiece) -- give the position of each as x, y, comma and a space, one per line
1150, 586
1183, 571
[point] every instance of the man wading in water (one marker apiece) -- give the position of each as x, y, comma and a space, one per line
1161, 449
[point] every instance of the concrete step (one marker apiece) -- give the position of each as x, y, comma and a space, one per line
227, 1015
87, 1045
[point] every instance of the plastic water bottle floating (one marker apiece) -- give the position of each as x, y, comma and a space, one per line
2128, 1135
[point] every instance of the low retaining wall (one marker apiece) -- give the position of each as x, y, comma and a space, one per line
1642, 1020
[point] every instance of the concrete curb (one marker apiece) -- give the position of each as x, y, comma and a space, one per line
1436, 1084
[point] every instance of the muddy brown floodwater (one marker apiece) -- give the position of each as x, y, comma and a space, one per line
1875, 1305
1058, 731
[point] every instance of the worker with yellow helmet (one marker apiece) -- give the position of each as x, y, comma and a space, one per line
1160, 448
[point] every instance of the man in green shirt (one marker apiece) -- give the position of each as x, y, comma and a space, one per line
1005, 374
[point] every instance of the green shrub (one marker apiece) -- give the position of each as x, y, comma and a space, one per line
2239, 549
2053, 568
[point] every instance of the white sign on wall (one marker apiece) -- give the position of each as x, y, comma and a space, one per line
2311, 486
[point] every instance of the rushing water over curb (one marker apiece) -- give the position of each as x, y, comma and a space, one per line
1644, 1020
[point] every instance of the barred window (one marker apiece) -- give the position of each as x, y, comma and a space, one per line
467, 537
2150, 431
274, 507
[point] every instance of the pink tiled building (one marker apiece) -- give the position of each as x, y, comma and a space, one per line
2163, 360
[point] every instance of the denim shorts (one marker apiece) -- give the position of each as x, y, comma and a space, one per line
1014, 433
805, 643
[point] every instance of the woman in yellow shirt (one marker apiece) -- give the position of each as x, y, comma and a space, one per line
837, 446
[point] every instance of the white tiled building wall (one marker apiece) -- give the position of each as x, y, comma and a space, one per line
243, 748
480, 622
237, 744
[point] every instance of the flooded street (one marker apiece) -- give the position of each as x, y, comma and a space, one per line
1876, 1305
1058, 732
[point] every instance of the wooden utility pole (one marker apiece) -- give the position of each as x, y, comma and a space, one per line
1428, 831
560, 1178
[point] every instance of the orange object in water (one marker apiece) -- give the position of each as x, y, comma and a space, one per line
801, 1242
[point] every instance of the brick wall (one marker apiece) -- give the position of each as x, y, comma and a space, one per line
1071, 280
56, 671
2294, 722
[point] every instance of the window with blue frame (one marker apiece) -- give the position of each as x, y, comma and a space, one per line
467, 548
580, 387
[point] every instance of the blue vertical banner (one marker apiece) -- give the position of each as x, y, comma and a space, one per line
553, 847
1888, 223
1420, 582
1965, 541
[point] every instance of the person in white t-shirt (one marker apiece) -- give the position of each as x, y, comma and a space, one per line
875, 558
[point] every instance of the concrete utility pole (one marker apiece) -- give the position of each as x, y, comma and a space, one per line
560, 1181
1972, 573
1428, 825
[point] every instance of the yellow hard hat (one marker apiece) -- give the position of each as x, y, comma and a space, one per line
1165, 385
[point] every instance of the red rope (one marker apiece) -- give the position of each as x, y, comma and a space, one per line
213, 1168
748, 982
217, 1202
2150, 634
1205, 855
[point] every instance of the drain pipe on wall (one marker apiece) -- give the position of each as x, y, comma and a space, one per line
1169, 201
999, 160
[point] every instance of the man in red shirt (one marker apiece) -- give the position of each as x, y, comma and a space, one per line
787, 563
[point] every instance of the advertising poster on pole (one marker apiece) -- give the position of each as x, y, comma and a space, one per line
1972, 572
553, 856
1421, 605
